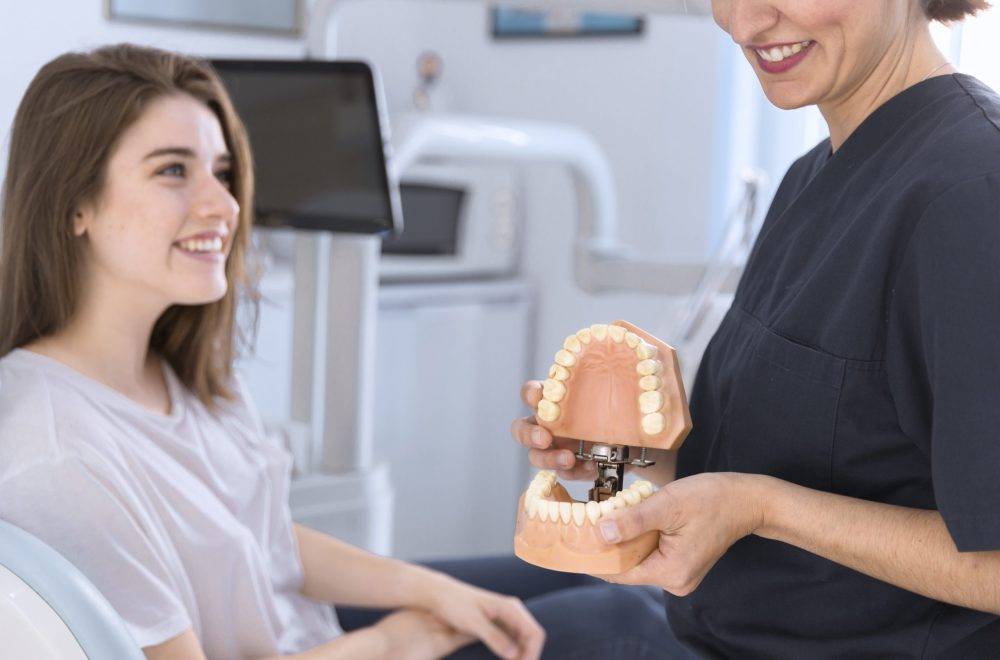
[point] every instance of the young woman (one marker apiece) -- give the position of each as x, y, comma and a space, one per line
838, 495
126, 442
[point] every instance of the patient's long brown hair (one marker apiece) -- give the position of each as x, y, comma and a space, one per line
65, 130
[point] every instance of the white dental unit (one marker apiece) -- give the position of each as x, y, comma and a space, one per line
356, 365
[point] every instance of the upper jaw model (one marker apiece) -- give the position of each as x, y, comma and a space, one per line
619, 388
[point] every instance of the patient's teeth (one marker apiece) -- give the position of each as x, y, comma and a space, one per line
632, 339
572, 343
645, 351
558, 372
649, 367
579, 513
554, 390
631, 496
600, 331
649, 383
565, 358
553, 510
607, 508
548, 411
654, 423
565, 512
584, 335
593, 512
649, 402
617, 333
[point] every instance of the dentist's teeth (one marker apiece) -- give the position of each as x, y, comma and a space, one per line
654, 423
548, 411
787, 51
584, 335
553, 508
565, 512
649, 367
649, 402
554, 390
565, 358
599, 331
617, 333
607, 508
649, 383
593, 512
776, 55
572, 343
558, 372
579, 513
633, 340
765, 55
797, 48
645, 351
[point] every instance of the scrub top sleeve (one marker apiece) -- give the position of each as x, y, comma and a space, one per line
71, 508
943, 355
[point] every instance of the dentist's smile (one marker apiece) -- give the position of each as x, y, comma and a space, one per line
781, 57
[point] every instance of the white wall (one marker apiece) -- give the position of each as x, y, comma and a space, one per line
32, 33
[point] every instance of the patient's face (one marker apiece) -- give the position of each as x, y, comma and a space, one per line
161, 230
840, 43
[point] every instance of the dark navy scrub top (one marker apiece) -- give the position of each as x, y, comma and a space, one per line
862, 357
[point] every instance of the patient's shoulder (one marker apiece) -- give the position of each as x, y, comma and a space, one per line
35, 413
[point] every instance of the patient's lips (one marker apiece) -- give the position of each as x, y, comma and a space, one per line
610, 385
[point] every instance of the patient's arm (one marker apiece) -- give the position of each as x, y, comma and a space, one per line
183, 647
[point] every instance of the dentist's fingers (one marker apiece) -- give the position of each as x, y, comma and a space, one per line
531, 393
530, 434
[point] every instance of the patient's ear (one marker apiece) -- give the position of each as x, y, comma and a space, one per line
82, 217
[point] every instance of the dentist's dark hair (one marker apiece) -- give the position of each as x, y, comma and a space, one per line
66, 128
947, 11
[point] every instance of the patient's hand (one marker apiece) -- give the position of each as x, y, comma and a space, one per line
547, 452
416, 635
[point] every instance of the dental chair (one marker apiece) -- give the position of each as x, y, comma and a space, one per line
49, 610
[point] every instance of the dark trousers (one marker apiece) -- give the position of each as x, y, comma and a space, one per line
584, 618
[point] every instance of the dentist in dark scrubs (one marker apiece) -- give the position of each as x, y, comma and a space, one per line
839, 495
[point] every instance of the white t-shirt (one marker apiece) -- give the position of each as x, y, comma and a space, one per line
180, 520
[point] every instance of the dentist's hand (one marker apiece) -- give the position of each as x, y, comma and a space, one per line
698, 519
548, 452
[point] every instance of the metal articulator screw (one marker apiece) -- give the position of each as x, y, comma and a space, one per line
611, 461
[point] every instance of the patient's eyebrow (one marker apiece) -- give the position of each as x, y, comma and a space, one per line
185, 152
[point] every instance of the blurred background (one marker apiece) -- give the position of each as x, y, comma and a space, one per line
551, 164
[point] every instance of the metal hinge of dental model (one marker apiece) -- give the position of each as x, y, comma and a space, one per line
611, 461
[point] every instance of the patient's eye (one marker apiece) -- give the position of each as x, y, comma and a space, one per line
174, 170
225, 176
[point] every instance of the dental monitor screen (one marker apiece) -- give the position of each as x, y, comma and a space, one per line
317, 145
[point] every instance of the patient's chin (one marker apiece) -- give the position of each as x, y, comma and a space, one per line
556, 532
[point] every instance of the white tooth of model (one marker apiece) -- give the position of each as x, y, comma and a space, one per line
579, 513
599, 331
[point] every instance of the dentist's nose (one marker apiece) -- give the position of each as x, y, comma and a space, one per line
750, 19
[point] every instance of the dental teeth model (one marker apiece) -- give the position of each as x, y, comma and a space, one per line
615, 387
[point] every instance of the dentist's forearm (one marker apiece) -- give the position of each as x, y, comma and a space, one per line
339, 573
909, 548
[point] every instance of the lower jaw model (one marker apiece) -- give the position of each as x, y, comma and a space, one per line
556, 532
616, 388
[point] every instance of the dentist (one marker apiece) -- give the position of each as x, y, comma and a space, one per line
838, 496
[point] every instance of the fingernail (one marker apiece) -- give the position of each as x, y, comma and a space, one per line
536, 438
566, 461
609, 530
